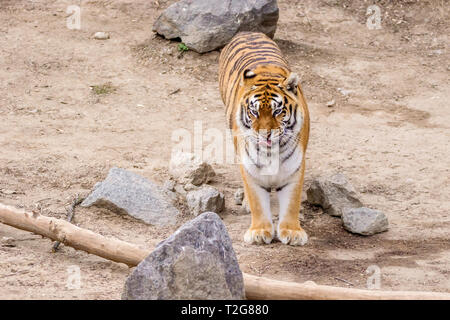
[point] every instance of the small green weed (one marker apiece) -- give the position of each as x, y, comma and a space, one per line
182, 47
103, 89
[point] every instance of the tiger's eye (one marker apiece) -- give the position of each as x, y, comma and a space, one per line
277, 112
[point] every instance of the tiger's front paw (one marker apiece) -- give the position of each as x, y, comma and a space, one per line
293, 236
258, 236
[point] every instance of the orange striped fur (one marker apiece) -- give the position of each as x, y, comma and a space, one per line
268, 116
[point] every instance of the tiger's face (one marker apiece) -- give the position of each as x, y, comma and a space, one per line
268, 111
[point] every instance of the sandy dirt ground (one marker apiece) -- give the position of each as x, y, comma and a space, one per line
388, 133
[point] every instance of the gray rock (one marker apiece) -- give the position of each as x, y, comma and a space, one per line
101, 36
205, 199
331, 103
196, 262
239, 196
180, 190
126, 192
207, 25
364, 221
334, 194
187, 169
345, 92
170, 185
190, 187
8, 241
7, 191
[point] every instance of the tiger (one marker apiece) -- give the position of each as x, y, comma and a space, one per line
268, 117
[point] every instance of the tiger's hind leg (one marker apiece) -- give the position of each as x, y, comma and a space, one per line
261, 229
289, 230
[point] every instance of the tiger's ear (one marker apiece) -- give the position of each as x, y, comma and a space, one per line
248, 74
291, 82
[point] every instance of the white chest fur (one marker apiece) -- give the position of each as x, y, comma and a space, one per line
275, 173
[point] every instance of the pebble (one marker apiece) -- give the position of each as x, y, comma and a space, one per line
101, 36
331, 103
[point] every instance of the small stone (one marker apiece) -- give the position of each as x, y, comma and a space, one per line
169, 185
8, 192
189, 187
180, 189
125, 192
239, 196
168, 51
364, 221
205, 199
344, 92
334, 194
331, 103
196, 262
187, 168
8, 241
101, 35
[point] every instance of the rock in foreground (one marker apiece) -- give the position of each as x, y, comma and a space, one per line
364, 221
196, 262
126, 192
208, 25
334, 194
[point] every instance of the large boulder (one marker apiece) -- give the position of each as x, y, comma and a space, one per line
196, 262
334, 194
364, 221
125, 192
208, 25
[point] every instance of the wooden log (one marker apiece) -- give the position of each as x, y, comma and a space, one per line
259, 288
255, 287
73, 236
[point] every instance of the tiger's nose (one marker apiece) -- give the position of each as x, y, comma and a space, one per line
264, 133
275, 134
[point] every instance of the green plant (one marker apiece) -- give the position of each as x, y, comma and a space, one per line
103, 89
182, 47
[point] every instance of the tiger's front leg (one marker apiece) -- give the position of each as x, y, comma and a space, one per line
261, 229
289, 230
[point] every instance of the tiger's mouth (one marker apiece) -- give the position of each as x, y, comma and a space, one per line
269, 140
265, 141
